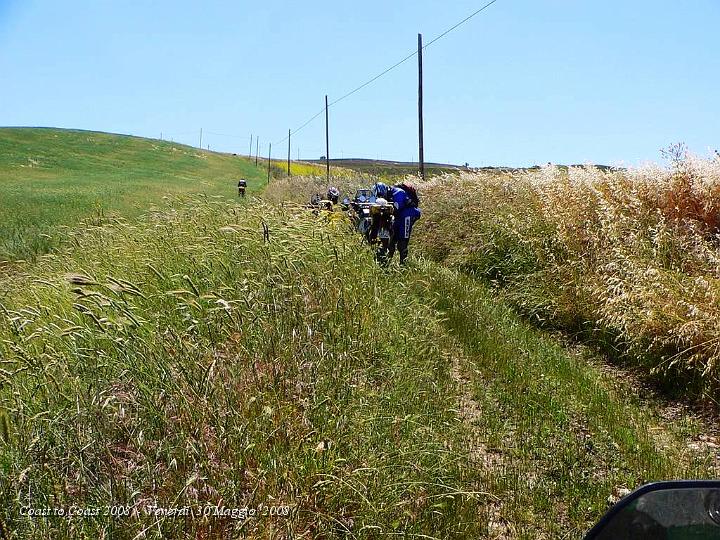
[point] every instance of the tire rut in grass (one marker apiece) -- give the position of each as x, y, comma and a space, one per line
479, 455
568, 438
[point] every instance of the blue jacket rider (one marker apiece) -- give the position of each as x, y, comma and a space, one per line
406, 214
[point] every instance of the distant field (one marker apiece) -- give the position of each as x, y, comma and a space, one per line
394, 170
383, 168
278, 169
55, 177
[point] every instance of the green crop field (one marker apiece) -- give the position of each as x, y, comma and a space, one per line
248, 366
51, 178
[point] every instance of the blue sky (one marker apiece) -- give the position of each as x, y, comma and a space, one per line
524, 82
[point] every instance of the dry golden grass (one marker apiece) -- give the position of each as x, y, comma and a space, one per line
631, 255
301, 188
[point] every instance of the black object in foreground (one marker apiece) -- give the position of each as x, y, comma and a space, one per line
678, 510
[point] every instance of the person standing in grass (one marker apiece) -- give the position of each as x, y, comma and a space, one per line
242, 184
406, 204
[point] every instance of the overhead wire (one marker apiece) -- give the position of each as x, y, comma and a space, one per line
466, 19
228, 135
388, 70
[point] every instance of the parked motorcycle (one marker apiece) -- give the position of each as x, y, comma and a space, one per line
381, 227
682, 510
317, 203
373, 218
359, 211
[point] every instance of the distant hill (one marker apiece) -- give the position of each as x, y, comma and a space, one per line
380, 167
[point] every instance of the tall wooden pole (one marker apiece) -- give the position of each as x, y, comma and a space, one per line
257, 149
269, 154
250, 154
288, 152
327, 141
421, 154
200, 138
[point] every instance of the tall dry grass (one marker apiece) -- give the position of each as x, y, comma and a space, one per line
243, 355
631, 255
300, 189
221, 355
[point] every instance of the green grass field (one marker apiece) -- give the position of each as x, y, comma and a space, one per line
51, 178
206, 353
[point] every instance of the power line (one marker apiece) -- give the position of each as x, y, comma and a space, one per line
396, 65
305, 124
375, 78
227, 135
414, 53
466, 19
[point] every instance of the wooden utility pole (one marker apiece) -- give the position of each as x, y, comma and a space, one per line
288, 152
327, 141
257, 149
250, 154
200, 138
269, 154
421, 154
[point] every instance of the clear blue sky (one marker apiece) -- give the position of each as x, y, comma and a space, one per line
524, 82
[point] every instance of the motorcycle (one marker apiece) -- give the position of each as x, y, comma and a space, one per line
374, 218
359, 211
382, 215
685, 509
317, 203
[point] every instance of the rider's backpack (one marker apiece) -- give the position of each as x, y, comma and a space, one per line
411, 193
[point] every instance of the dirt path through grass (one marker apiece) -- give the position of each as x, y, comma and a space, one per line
554, 436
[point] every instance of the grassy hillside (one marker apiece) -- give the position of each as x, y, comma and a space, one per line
51, 178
